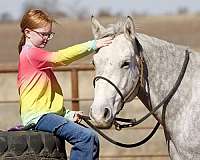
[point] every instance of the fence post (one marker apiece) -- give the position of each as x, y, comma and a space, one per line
75, 94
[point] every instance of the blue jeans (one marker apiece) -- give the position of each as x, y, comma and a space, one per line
85, 142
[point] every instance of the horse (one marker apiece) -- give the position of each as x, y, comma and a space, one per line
136, 64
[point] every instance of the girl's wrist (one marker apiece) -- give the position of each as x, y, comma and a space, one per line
94, 44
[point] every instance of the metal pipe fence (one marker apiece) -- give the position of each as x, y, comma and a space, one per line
74, 69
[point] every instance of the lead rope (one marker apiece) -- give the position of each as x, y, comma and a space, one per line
86, 119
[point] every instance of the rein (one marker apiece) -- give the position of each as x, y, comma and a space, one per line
133, 122
86, 119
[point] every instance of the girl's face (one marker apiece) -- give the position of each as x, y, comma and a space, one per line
39, 37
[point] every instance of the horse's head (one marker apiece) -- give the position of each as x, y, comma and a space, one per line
117, 70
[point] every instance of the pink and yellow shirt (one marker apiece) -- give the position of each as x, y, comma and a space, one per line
39, 90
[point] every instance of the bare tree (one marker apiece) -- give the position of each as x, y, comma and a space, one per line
6, 17
51, 6
75, 10
183, 10
104, 13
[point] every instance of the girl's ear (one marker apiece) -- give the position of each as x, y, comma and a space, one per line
27, 32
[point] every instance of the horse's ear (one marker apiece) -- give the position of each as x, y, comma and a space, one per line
129, 28
97, 28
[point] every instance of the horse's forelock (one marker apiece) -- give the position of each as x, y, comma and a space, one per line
113, 29
118, 28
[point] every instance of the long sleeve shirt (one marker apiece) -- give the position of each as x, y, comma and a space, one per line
39, 90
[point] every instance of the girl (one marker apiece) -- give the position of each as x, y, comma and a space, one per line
41, 98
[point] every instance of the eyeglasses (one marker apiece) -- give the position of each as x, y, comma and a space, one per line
49, 35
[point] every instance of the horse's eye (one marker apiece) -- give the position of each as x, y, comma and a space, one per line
125, 65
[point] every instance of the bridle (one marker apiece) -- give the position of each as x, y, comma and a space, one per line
135, 90
139, 81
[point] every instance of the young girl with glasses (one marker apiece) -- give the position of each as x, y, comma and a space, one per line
41, 97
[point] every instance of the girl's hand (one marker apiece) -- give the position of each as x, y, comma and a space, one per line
78, 116
103, 42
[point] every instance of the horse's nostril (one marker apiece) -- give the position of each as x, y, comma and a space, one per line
106, 113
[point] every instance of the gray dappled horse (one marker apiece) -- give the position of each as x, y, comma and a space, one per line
119, 61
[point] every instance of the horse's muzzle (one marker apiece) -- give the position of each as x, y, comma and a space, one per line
102, 119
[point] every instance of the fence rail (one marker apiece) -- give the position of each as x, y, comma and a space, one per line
74, 69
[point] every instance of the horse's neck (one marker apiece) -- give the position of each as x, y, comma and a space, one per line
164, 61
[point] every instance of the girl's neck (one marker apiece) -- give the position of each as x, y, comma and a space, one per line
28, 43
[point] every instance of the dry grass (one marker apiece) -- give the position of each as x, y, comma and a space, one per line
183, 30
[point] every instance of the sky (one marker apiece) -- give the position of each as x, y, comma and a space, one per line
15, 7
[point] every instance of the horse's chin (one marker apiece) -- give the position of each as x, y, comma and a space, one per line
103, 125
